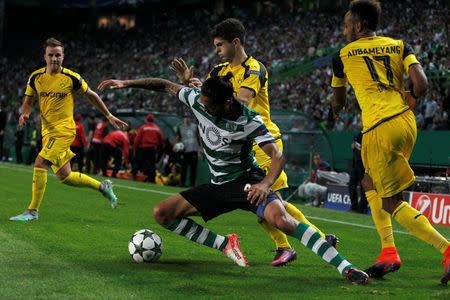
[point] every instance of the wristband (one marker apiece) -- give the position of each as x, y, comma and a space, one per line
109, 116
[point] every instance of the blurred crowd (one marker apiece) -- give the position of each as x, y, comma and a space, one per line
281, 40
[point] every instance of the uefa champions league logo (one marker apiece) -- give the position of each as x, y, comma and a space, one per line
424, 205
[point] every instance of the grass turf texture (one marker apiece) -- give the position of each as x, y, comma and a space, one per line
78, 250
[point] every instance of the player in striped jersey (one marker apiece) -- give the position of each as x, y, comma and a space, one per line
374, 66
227, 131
54, 87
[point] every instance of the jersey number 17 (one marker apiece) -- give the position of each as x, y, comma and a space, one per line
373, 71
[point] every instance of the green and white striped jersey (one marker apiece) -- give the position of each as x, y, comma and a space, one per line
227, 144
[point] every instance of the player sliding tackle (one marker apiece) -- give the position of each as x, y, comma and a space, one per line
227, 130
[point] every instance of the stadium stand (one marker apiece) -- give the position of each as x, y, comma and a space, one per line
297, 53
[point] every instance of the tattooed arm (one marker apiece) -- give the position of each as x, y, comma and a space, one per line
155, 84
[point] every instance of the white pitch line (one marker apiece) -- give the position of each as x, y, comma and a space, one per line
353, 224
4, 165
143, 190
28, 170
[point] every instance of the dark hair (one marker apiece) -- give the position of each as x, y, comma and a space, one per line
367, 12
218, 88
52, 42
229, 29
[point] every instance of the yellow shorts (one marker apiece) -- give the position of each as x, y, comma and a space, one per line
264, 161
56, 149
385, 152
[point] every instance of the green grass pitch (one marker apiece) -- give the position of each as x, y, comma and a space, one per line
78, 250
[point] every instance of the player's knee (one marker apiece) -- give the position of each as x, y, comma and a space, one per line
367, 183
284, 224
62, 177
162, 215
159, 214
390, 204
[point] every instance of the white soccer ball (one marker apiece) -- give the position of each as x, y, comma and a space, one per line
145, 246
179, 147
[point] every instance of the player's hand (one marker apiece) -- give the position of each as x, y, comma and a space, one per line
257, 193
410, 100
23, 118
182, 71
117, 123
112, 84
195, 82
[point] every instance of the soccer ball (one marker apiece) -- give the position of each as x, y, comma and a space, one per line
145, 246
179, 147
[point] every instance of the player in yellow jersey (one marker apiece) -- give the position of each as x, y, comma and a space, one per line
250, 83
54, 87
374, 66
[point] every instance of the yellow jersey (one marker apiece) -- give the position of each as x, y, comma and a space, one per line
252, 75
374, 66
55, 94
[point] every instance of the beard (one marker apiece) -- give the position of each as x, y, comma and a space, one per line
353, 35
228, 57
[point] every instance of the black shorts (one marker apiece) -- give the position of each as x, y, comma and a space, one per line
212, 200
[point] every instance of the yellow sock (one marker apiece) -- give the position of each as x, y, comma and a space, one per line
277, 235
38, 187
299, 216
81, 180
381, 218
419, 226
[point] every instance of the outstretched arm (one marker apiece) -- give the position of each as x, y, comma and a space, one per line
100, 105
155, 84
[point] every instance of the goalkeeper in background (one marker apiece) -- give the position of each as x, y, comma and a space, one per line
54, 87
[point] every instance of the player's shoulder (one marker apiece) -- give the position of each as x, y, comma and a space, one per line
218, 68
186, 93
337, 55
251, 114
38, 72
253, 64
190, 90
385, 40
70, 73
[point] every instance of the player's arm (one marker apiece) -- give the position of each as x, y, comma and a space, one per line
252, 84
259, 192
418, 84
339, 85
339, 100
95, 100
245, 95
27, 108
155, 84
185, 74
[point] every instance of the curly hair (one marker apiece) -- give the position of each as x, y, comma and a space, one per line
367, 12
